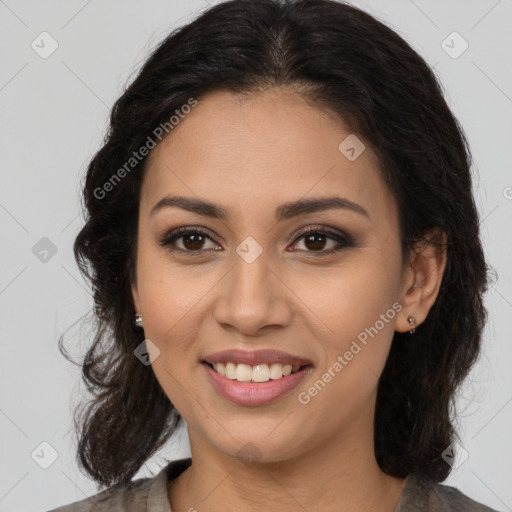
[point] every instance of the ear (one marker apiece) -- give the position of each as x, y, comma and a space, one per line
421, 281
135, 295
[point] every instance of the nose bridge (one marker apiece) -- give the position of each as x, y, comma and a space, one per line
252, 296
250, 283
251, 272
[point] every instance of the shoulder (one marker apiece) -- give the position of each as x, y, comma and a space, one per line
131, 497
139, 495
422, 494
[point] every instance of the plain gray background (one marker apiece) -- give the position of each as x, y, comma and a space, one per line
54, 112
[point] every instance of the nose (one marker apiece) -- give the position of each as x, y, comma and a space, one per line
253, 297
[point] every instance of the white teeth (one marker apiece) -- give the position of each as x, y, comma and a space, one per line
276, 371
243, 373
221, 368
259, 373
230, 370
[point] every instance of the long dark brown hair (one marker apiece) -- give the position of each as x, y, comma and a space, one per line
346, 62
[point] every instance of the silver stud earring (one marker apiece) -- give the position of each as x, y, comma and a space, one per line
138, 321
412, 322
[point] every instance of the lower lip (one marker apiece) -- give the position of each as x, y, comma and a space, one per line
254, 393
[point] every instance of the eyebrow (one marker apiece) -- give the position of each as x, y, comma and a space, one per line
283, 212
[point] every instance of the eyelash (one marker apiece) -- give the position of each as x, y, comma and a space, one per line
344, 241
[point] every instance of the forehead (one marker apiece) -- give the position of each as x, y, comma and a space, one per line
251, 151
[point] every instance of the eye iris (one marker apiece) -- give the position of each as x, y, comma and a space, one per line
195, 239
318, 245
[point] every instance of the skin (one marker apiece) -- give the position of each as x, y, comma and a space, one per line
249, 155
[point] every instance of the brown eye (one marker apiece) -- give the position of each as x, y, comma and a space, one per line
316, 240
192, 240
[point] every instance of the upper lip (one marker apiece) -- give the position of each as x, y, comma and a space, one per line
254, 357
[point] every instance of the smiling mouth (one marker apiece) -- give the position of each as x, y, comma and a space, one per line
257, 373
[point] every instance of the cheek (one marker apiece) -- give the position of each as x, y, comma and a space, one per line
171, 294
346, 380
172, 305
345, 299
353, 309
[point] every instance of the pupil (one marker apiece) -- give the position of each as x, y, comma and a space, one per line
195, 240
317, 245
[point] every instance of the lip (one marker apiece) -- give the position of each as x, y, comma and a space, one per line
254, 357
254, 393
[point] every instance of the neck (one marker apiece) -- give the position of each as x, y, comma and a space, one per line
338, 474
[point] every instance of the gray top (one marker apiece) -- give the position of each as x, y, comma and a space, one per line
150, 495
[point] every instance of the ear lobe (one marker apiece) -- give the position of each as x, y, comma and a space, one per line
426, 266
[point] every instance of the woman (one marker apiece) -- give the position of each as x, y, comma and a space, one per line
285, 253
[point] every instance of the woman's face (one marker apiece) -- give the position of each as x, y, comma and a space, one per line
255, 282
